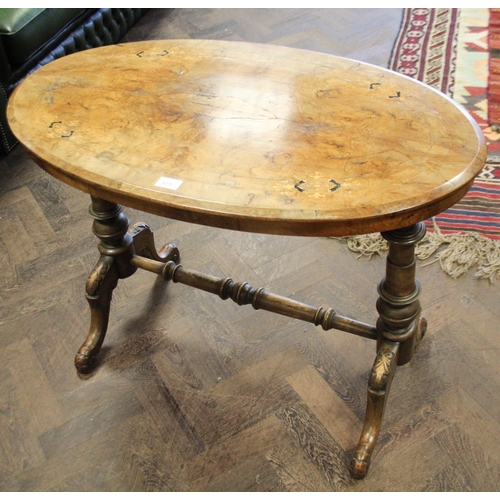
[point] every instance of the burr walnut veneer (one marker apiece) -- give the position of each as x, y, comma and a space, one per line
254, 138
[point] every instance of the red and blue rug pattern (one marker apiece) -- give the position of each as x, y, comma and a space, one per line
494, 70
449, 50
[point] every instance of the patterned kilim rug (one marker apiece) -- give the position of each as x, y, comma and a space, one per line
448, 49
494, 70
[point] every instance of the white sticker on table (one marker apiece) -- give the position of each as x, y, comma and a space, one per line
168, 183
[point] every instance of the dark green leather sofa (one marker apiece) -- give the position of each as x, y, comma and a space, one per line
30, 38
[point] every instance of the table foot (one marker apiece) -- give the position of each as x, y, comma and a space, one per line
378, 392
422, 328
100, 285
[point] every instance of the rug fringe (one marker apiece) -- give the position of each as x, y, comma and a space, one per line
463, 251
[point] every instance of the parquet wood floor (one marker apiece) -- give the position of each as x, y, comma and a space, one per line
195, 394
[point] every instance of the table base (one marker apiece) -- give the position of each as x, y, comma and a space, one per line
399, 327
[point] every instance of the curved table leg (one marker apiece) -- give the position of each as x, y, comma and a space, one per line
400, 327
378, 392
117, 244
100, 285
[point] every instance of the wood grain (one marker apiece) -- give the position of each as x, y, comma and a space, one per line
256, 137
441, 429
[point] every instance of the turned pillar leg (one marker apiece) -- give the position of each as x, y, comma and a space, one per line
117, 244
399, 328
116, 248
398, 305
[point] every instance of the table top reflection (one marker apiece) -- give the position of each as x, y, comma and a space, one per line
248, 136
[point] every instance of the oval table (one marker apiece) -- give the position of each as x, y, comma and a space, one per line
254, 138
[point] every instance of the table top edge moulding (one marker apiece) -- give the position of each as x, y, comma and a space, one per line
251, 137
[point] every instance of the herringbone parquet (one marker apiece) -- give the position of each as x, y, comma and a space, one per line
195, 394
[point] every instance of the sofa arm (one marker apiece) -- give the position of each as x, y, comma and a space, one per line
12, 21
105, 27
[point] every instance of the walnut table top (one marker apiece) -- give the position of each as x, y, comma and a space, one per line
248, 136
